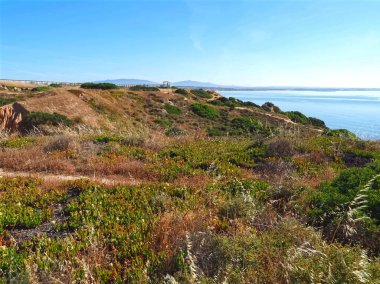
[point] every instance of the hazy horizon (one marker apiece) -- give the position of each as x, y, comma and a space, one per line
244, 43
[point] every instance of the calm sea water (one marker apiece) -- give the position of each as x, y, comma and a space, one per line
358, 112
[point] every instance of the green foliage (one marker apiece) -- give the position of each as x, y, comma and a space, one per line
6, 101
174, 131
40, 118
171, 109
12, 266
164, 122
124, 140
298, 117
341, 191
317, 122
100, 86
41, 89
201, 93
54, 85
181, 92
268, 106
16, 143
348, 208
342, 133
233, 102
205, 111
246, 125
144, 88
24, 204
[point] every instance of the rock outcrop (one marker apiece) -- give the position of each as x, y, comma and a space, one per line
11, 117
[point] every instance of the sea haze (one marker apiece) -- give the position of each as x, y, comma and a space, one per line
357, 111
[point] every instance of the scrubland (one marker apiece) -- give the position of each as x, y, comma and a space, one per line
183, 186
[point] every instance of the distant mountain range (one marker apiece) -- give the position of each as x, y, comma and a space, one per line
208, 85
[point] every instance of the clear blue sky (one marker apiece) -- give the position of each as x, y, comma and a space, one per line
256, 43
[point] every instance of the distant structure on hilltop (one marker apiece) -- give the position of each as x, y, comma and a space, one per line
166, 84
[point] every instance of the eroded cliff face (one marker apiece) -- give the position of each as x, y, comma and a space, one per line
11, 117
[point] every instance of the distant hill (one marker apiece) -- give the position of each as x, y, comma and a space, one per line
195, 84
128, 82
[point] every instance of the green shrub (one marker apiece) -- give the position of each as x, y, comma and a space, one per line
20, 142
6, 101
172, 109
144, 88
348, 206
268, 106
342, 133
298, 117
54, 85
164, 122
317, 122
201, 93
233, 102
175, 131
100, 86
38, 118
245, 124
40, 89
205, 111
181, 92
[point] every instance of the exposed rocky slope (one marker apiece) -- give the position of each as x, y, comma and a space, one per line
11, 117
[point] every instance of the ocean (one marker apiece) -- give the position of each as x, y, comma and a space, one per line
357, 111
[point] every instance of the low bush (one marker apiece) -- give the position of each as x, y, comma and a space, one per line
201, 93
280, 148
174, 110
6, 101
349, 206
144, 88
40, 89
233, 102
181, 92
317, 122
100, 86
342, 133
60, 143
298, 117
40, 118
54, 85
174, 131
246, 125
270, 107
164, 122
16, 143
205, 111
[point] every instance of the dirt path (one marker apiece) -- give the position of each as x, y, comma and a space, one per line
54, 177
286, 120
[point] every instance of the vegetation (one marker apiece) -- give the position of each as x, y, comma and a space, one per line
268, 106
41, 89
201, 93
232, 102
175, 189
299, 117
6, 101
171, 109
144, 88
343, 133
55, 119
205, 111
55, 85
100, 86
181, 92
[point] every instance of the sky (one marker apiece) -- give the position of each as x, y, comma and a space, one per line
250, 43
